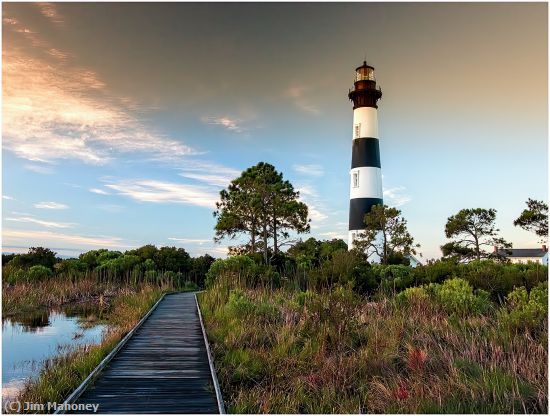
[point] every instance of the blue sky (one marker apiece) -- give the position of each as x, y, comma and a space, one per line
122, 122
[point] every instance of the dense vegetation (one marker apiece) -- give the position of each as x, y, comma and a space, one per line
324, 331
147, 264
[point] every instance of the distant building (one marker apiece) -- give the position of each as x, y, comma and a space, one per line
525, 255
413, 261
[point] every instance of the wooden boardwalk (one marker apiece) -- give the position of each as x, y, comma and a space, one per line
162, 368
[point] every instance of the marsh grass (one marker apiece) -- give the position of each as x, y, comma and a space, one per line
333, 351
63, 373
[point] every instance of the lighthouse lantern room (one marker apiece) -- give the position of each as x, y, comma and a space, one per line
365, 173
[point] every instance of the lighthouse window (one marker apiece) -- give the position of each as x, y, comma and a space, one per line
358, 130
356, 179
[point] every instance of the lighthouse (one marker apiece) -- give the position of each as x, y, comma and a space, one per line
365, 173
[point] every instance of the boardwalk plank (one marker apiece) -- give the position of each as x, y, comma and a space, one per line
163, 368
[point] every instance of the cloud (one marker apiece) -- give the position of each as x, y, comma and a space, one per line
190, 240
54, 111
297, 94
394, 197
112, 208
49, 10
230, 124
334, 234
148, 190
42, 169
47, 224
310, 170
99, 191
209, 173
9, 198
310, 197
199, 246
50, 205
50, 239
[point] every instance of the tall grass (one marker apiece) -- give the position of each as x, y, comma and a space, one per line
333, 351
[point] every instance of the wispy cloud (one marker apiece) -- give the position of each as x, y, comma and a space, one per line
395, 197
42, 169
7, 197
310, 170
148, 190
54, 111
310, 197
47, 224
334, 234
112, 208
49, 10
297, 94
50, 205
209, 173
199, 246
190, 240
99, 191
50, 239
231, 124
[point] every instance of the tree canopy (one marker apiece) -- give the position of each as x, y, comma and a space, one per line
263, 205
534, 218
472, 230
386, 235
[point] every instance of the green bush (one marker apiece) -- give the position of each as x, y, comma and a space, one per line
526, 311
38, 273
499, 279
413, 296
235, 265
239, 305
435, 272
458, 297
394, 278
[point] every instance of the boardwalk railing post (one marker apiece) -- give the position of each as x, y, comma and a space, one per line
219, 398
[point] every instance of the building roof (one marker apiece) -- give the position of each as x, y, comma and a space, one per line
522, 252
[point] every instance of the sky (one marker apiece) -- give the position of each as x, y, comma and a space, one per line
121, 122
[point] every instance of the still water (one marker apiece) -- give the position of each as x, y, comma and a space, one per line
31, 339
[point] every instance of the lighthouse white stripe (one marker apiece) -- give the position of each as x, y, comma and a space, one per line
365, 122
368, 184
352, 236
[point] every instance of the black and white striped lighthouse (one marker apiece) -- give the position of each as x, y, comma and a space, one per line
365, 173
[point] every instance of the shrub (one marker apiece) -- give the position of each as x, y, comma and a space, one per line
499, 279
235, 265
239, 305
413, 296
457, 296
189, 286
395, 277
435, 272
38, 273
526, 311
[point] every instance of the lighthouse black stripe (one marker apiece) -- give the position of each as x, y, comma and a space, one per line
365, 152
358, 207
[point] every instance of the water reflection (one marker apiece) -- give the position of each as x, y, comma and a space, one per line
31, 338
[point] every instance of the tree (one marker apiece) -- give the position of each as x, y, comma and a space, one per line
172, 259
534, 218
473, 229
386, 234
263, 205
37, 256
